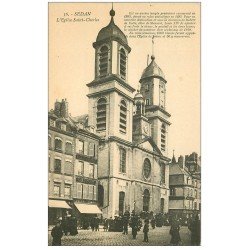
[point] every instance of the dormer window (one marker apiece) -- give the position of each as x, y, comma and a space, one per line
123, 63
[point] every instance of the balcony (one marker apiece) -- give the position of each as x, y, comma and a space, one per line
80, 156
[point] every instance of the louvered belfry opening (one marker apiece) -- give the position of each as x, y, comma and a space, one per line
163, 137
103, 61
123, 63
123, 116
101, 114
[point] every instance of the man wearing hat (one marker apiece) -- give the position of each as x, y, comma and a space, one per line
57, 234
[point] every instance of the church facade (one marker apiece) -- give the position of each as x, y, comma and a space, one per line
133, 163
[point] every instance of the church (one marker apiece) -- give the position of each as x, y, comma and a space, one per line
133, 163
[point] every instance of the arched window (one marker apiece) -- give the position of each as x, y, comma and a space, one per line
103, 61
146, 199
49, 142
123, 116
101, 114
163, 175
58, 144
122, 160
121, 203
123, 63
147, 168
68, 148
163, 137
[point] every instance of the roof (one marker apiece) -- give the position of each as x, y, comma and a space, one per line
175, 169
82, 119
153, 70
111, 31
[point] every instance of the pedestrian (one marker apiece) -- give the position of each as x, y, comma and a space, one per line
194, 227
125, 224
96, 223
146, 230
57, 234
174, 232
92, 223
105, 225
134, 226
153, 222
73, 226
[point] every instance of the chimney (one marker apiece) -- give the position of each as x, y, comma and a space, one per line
64, 108
181, 161
57, 109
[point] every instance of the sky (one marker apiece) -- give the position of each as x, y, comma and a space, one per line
71, 64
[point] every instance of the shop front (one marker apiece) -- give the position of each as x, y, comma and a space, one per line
57, 209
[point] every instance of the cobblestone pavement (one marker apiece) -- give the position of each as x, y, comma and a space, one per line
157, 237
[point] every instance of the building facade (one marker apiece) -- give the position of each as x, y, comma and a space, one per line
133, 170
72, 163
185, 186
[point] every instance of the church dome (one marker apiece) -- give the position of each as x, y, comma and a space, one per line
153, 70
111, 31
138, 97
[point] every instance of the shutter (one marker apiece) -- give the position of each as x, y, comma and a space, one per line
86, 148
85, 187
90, 192
95, 171
94, 191
91, 149
79, 190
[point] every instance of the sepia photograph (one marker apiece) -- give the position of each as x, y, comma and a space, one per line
124, 158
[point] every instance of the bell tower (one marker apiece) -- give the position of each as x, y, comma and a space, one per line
110, 96
153, 88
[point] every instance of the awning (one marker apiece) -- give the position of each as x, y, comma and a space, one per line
88, 208
58, 204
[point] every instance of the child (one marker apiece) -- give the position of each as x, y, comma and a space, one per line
145, 230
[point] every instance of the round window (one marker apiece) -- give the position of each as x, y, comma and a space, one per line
147, 168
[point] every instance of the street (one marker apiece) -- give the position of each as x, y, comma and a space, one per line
157, 237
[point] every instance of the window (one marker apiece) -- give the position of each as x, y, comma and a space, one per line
163, 175
146, 199
162, 205
91, 171
90, 193
68, 148
58, 144
195, 193
123, 63
57, 190
58, 125
80, 147
123, 116
195, 205
57, 166
68, 167
91, 149
122, 160
147, 87
79, 190
147, 168
100, 195
163, 137
103, 61
147, 102
121, 203
101, 114
172, 191
63, 127
49, 142
79, 168
67, 191
51, 122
